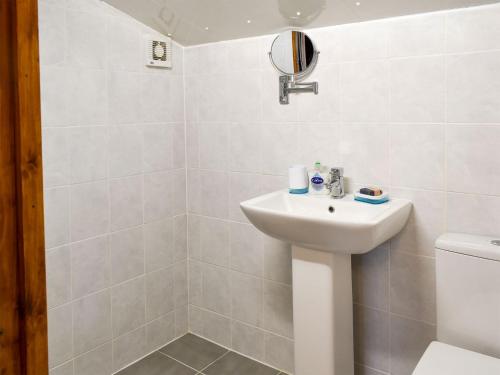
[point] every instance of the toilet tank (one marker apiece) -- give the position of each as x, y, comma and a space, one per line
468, 292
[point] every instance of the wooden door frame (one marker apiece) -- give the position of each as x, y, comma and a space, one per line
23, 306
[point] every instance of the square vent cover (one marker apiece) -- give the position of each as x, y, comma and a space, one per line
158, 52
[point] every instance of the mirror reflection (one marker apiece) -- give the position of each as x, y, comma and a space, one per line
293, 53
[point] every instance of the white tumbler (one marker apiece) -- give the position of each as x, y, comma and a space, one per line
298, 181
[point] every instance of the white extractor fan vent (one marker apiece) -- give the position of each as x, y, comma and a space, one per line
158, 52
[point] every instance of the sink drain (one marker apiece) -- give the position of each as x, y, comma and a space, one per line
331, 210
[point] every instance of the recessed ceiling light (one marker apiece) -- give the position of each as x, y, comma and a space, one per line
358, 3
206, 28
298, 13
169, 34
249, 21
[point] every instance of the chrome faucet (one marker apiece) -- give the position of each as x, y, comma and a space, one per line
335, 184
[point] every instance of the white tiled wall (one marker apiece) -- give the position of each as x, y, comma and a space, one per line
411, 104
115, 190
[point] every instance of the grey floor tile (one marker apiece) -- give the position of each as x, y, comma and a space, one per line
157, 364
233, 363
193, 351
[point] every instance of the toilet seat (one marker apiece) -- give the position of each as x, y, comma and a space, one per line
443, 359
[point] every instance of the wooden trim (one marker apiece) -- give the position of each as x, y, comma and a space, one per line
23, 318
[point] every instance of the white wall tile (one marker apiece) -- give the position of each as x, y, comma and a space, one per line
128, 348
475, 214
65, 369
155, 97
89, 210
56, 162
214, 148
371, 337
123, 97
277, 260
180, 237
244, 102
277, 312
124, 45
160, 331
90, 257
91, 321
413, 283
159, 293
87, 102
158, 198
417, 35
158, 147
213, 190
180, 277
409, 339
96, 362
88, 153
476, 29
54, 99
279, 352
365, 145
126, 254
247, 340
126, 202
417, 156
52, 33
426, 223
363, 41
473, 88
127, 305
472, 158
370, 278
418, 89
216, 289
86, 35
317, 142
125, 150
247, 249
365, 91
214, 241
279, 148
57, 213
242, 186
179, 146
58, 273
247, 298
159, 244
60, 338
245, 147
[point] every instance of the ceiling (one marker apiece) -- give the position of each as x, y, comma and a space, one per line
192, 22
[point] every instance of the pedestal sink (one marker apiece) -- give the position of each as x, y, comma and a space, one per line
324, 232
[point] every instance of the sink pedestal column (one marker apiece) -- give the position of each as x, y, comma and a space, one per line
322, 312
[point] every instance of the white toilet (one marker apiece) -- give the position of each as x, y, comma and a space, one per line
468, 308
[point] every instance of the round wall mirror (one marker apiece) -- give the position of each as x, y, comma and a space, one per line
293, 53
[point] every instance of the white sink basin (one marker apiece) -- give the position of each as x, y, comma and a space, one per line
324, 232
306, 220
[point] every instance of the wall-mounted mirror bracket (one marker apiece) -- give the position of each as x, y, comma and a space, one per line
289, 85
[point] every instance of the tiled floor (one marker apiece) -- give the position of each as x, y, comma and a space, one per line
190, 355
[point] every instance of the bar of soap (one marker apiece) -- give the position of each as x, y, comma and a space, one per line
373, 191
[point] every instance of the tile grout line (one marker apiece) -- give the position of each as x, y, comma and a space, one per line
210, 364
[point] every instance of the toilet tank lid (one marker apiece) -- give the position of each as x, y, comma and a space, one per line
470, 244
